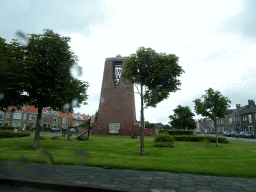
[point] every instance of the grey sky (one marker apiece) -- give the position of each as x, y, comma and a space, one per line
215, 41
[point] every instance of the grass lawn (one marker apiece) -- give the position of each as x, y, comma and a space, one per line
236, 159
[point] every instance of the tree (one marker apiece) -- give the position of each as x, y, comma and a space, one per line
167, 127
47, 82
214, 106
182, 118
156, 73
11, 75
148, 125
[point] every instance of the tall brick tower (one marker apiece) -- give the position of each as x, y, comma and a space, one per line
117, 107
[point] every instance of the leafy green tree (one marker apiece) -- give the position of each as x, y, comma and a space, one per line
11, 75
167, 127
47, 82
182, 118
96, 115
214, 106
148, 125
156, 73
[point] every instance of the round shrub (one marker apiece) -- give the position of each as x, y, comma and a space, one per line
164, 140
164, 137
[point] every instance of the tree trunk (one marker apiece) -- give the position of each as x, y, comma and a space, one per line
142, 123
216, 132
37, 133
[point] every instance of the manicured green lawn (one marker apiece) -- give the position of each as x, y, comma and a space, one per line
236, 159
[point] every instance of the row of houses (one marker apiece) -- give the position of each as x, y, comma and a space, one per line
26, 118
243, 118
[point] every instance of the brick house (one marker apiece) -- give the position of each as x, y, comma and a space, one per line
248, 117
26, 118
236, 120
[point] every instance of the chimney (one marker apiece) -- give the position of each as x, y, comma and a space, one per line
237, 106
251, 102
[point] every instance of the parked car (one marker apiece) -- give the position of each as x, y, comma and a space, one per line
245, 134
234, 134
227, 134
72, 130
252, 134
55, 130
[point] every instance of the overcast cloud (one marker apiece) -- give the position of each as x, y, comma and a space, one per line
215, 41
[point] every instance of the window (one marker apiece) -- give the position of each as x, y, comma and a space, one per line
244, 118
17, 115
24, 116
117, 67
54, 126
250, 118
32, 117
64, 119
64, 126
230, 120
55, 119
1, 114
8, 114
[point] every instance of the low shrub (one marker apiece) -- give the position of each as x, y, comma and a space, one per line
177, 132
164, 140
7, 128
200, 138
9, 134
17, 127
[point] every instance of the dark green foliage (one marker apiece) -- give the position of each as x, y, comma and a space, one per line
200, 138
182, 118
157, 73
42, 70
214, 106
9, 134
164, 140
148, 125
7, 128
12, 75
177, 132
164, 137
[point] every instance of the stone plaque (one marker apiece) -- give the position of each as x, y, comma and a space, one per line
114, 127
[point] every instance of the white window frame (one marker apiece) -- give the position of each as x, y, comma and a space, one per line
64, 120
24, 116
250, 118
1, 115
32, 117
17, 115
230, 120
55, 119
8, 115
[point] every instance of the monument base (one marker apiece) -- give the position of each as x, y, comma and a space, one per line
124, 131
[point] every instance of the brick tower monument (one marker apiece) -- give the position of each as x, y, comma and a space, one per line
116, 114
117, 107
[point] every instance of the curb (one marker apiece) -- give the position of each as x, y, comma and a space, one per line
53, 186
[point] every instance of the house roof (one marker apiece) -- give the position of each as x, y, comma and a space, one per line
250, 109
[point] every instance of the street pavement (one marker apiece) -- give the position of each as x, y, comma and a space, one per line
24, 176
247, 140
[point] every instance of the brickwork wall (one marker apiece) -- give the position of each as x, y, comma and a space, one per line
126, 131
117, 103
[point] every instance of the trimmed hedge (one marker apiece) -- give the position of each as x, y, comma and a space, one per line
7, 128
9, 134
200, 138
164, 140
177, 132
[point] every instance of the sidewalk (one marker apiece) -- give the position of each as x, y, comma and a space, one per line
79, 178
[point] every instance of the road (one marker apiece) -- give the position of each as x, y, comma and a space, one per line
247, 140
